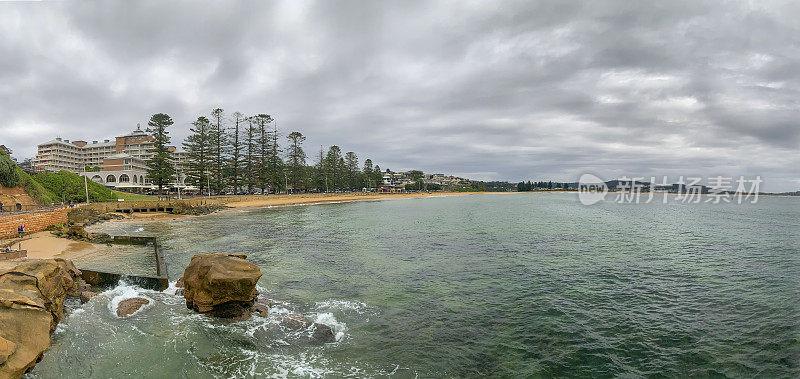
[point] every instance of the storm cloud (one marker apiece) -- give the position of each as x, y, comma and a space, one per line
488, 90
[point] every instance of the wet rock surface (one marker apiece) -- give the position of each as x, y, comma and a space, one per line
318, 333
321, 333
295, 321
86, 296
128, 307
32, 297
261, 310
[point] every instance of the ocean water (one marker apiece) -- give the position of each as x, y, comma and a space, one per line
503, 285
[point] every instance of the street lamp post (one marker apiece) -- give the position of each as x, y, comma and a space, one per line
85, 184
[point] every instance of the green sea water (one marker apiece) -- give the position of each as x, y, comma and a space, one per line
502, 285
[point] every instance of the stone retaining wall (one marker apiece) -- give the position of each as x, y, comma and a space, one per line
33, 221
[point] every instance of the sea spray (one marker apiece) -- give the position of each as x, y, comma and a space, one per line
125, 291
327, 318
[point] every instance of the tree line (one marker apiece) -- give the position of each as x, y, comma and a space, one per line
248, 154
540, 186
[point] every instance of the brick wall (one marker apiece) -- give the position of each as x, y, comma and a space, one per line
34, 222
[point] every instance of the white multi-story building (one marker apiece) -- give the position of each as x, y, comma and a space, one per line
121, 163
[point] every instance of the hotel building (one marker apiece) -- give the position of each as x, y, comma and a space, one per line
121, 163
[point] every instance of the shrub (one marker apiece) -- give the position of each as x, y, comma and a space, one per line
8, 171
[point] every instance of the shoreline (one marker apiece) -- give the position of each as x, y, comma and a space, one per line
44, 245
327, 198
270, 201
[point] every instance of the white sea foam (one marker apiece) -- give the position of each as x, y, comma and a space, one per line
125, 291
327, 318
342, 305
172, 289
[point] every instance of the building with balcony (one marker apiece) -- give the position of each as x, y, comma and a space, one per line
121, 163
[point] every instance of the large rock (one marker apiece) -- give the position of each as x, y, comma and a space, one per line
221, 285
86, 296
32, 297
128, 307
295, 321
321, 333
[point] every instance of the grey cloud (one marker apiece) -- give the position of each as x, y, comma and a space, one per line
501, 90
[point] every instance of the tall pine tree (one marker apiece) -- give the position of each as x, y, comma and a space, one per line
370, 182
219, 147
160, 169
264, 141
234, 172
334, 167
251, 158
296, 161
198, 148
352, 170
275, 169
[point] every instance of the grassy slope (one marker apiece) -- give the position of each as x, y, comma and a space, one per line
32, 187
52, 187
70, 186
35, 189
132, 196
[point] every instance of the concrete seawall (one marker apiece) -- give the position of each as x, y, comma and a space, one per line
158, 282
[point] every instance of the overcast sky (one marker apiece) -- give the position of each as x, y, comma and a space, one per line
488, 90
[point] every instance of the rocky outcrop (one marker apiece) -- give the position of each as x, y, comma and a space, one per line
78, 233
86, 296
321, 333
318, 333
295, 321
221, 285
128, 307
32, 297
184, 208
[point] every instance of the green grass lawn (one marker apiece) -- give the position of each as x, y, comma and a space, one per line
133, 196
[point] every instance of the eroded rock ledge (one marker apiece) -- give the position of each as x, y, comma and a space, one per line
32, 297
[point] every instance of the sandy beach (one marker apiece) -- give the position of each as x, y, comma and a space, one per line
267, 201
44, 245
322, 198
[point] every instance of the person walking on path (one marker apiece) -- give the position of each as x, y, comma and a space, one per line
21, 231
